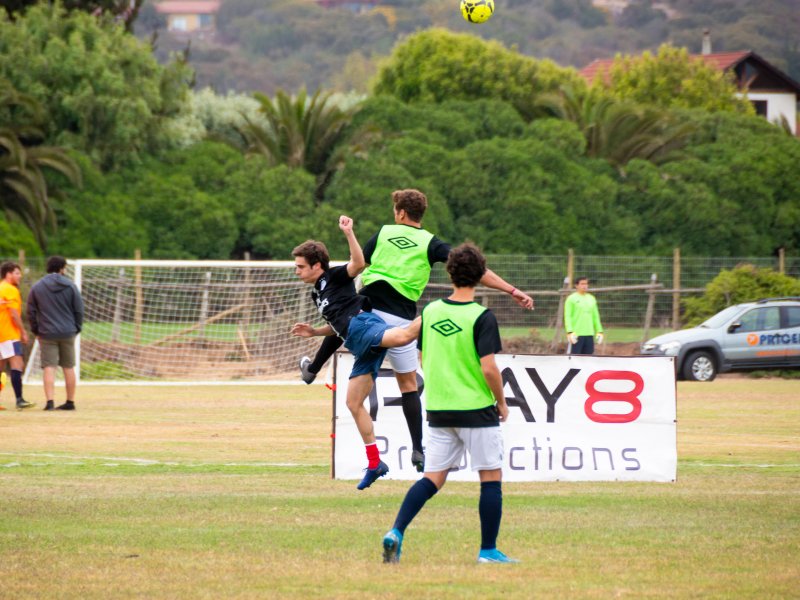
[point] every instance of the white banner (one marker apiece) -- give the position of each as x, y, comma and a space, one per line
572, 418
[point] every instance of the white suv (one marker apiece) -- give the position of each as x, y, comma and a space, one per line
754, 335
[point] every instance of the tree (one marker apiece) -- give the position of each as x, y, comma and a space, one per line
102, 90
672, 79
124, 11
24, 191
619, 131
300, 132
437, 65
744, 283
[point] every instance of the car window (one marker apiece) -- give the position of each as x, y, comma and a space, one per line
722, 317
793, 316
760, 319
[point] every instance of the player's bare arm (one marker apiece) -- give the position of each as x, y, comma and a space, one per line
492, 280
307, 330
15, 317
357, 262
495, 381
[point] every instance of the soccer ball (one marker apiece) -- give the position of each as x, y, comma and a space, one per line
477, 11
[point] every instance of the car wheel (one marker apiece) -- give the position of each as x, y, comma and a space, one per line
699, 366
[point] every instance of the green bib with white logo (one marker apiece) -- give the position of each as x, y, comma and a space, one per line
453, 376
401, 259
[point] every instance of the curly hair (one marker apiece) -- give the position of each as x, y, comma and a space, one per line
314, 252
466, 265
8, 267
413, 202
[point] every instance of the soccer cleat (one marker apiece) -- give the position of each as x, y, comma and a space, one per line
418, 460
392, 546
50, 405
494, 556
68, 405
305, 374
372, 475
23, 404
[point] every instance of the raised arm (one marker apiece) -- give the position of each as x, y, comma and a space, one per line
357, 262
492, 280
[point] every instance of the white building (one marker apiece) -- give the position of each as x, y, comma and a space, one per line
772, 92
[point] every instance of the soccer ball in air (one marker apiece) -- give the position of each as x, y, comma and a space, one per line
477, 11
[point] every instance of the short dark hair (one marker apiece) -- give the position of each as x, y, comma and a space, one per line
8, 267
413, 202
314, 252
55, 264
579, 279
466, 265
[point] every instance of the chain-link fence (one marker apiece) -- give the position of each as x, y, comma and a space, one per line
544, 277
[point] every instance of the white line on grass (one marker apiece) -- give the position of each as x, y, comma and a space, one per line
144, 462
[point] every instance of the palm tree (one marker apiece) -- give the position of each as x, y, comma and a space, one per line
23, 188
300, 132
619, 131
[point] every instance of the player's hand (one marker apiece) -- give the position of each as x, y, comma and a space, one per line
302, 330
600, 338
522, 299
573, 339
346, 224
24, 337
502, 411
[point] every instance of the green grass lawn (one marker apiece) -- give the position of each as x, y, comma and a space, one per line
215, 492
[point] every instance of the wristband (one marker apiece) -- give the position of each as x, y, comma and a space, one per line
513, 289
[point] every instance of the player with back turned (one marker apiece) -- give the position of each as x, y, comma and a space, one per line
400, 257
464, 401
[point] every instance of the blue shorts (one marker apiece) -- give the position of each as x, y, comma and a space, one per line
364, 336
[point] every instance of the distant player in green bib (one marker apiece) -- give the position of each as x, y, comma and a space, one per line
464, 401
582, 319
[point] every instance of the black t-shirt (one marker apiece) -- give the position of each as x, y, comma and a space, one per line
383, 296
486, 335
335, 296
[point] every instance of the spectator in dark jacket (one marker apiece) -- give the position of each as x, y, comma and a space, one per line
55, 313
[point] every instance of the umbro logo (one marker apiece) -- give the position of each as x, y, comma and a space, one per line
446, 327
402, 243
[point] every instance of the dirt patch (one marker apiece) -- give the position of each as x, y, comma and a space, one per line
531, 345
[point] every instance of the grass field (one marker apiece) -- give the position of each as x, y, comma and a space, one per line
213, 492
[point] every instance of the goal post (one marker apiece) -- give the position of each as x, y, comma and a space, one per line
187, 322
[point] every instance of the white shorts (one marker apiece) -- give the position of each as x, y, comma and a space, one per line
10, 348
404, 359
446, 446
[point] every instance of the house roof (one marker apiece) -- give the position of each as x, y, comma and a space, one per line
188, 7
722, 61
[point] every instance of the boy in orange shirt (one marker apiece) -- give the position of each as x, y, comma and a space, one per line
12, 331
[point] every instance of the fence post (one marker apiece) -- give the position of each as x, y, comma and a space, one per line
21, 258
570, 268
676, 286
248, 297
562, 296
117, 323
648, 315
138, 310
782, 260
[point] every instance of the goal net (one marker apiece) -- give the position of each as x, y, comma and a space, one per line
193, 322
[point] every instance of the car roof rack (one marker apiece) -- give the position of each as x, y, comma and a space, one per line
765, 300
